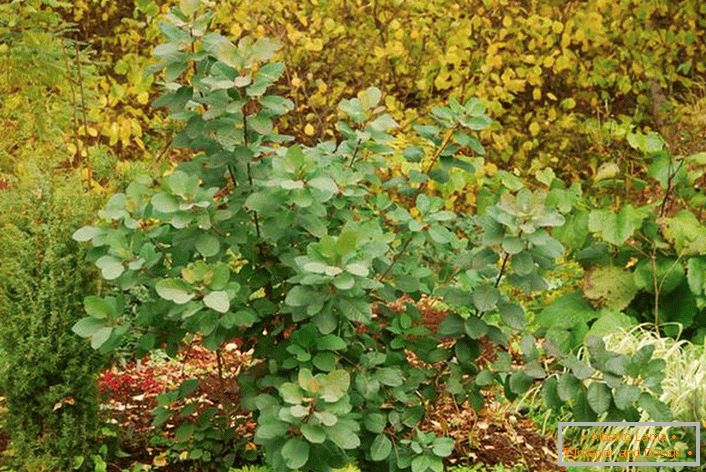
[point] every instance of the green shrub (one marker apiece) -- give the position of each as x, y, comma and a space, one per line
49, 380
299, 250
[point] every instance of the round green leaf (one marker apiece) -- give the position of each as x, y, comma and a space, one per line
100, 337
381, 448
218, 301
111, 267
207, 245
295, 453
599, 397
85, 234
98, 307
174, 290
87, 327
313, 434
485, 297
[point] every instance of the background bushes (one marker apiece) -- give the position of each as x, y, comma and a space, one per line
564, 80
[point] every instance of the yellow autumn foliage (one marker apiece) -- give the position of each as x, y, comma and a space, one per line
564, 80
549, 71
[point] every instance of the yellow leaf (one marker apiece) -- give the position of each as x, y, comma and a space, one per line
314, 45
125, 132
309, 130
490, 169
143, 98
160, 460
537, 94
568, 104
562, 63
557, 27
534, 128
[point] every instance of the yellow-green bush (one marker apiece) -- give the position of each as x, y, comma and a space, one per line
559, 77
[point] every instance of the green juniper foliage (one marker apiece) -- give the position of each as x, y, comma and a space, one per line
49, 377
290, 248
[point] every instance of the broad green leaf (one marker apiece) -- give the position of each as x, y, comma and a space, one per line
375, 422
443, 447
88, 326
218, 301
85, 233
207, 245
370, 97
390, 376
550, 394
324, 184
599, 397
453, 325
189, 7
579, 368
100, 337
616, 228
381, 448
484, 378
626, 396
582, 411
111, 267
184, 432
298, 296
485, 297
520, 382
271, 429
98, 307
696, 275
656, 409
295, 453
413, 154
346, 242
334, 385
566, 312
165, 203
358, 269
330, 342
686, 233
174, 290
609, 286
313, 434
608, 322
512, 315
308, 382
344, 434
568, 387
669, 274
290, 393
242, 318
439, 234
475, 327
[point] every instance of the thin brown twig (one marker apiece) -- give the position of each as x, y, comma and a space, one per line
73, 102
79, 76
